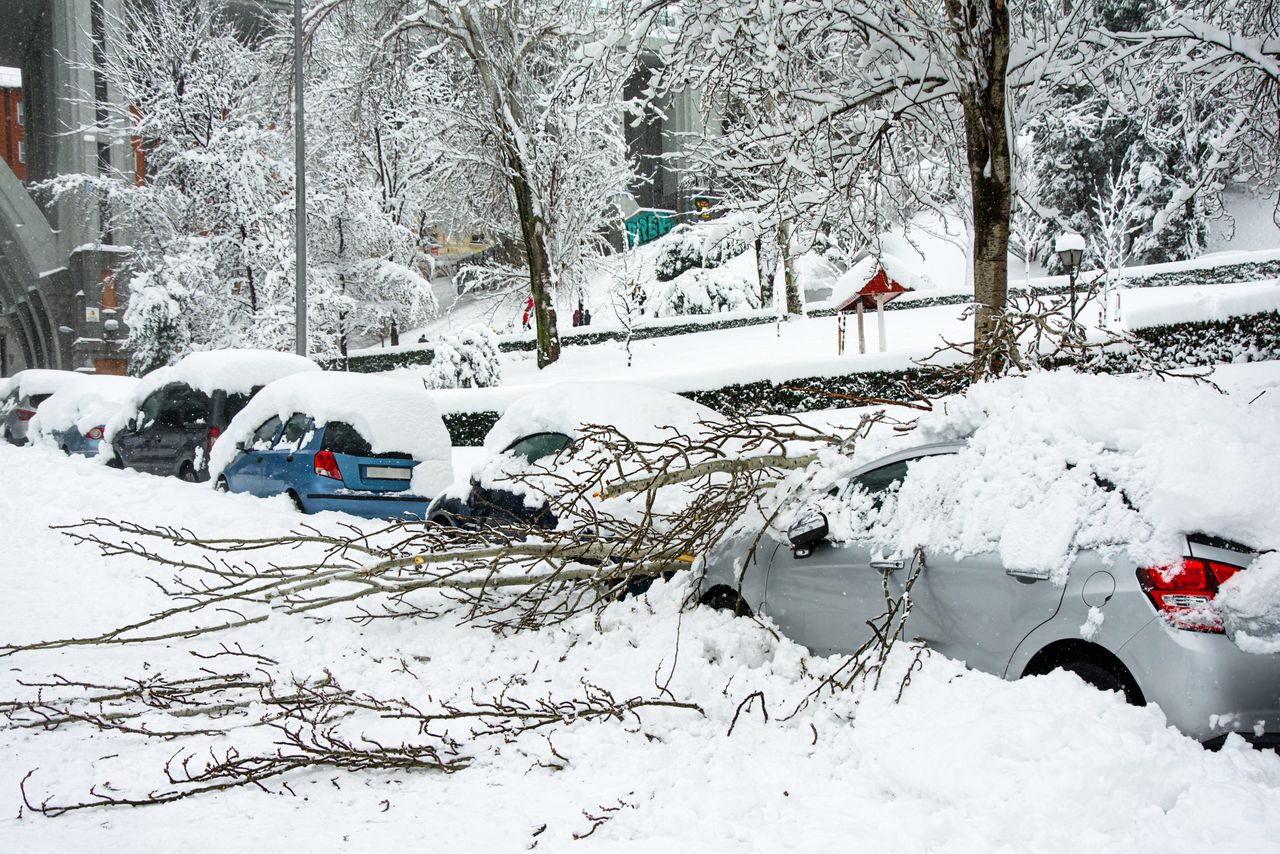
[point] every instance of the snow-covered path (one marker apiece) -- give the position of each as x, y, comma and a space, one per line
964, 763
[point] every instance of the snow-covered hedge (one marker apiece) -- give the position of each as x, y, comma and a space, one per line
1226, 274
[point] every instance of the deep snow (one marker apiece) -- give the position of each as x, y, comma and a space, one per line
964, 763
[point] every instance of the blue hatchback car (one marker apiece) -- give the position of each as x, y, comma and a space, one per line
325, 467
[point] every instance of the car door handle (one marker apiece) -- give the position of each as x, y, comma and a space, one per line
887, 565
259, 459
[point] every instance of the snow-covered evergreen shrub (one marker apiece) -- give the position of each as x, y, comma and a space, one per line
158, 330
704, 244
466, 360
701, 291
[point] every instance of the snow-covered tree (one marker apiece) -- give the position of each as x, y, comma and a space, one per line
528, 112
211, 219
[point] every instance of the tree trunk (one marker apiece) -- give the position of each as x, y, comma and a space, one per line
789, 268
986, 52
544, 313
766, 266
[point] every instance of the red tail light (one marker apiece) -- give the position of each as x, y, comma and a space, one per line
1183, 593
326, 466
214, 433
26, 414
94, 433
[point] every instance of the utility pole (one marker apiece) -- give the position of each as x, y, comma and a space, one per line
300, 190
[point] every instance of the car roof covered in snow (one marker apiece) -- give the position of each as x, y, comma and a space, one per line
84, 402
36, 381
636, 411
232, 371
393, 415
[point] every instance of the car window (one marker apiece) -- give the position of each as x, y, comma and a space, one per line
294, 430
342, 438
265, 435
236, 402
538, 446
879, 480
150, 409
37, 399
184, 406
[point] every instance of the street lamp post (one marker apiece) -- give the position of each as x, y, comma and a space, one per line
1070, 249
300, 190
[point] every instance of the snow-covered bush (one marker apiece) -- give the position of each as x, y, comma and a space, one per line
466, 360
701, 291
704, 244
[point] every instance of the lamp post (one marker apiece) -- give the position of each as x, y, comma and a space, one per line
300, 191
1070, 249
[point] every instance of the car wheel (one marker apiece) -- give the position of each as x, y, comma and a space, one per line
187, 473
66, 450
1105, 679
297, 502
725, 599
221, 484
114, 463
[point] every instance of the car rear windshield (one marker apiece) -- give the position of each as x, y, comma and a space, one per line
341, 438
539, 445
184, 406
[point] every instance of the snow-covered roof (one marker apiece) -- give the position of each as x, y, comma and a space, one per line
36, 381
83, 402
232, 371
638, 412
394, 416
10, 78
857, 276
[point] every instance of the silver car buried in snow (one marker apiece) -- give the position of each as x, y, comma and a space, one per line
1149, 638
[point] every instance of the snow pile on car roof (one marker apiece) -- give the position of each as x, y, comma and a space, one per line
233, 371
638, 412
394, 416
85, 402
1060, 462
36, 381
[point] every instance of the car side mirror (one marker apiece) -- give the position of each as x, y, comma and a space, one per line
809, 529
240, 445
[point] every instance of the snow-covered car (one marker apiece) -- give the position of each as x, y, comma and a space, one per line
20, 396
75, 417
536, 429
1119, 528
176, 413
360, 444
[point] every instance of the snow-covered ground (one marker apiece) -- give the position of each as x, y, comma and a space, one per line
806, 346
964, 762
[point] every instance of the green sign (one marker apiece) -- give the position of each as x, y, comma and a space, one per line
648, 224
